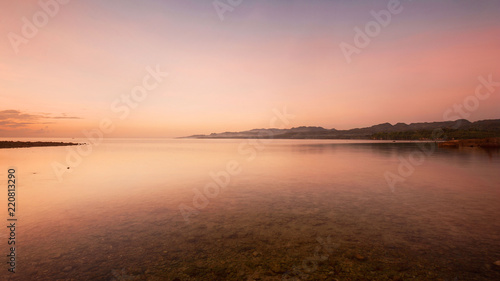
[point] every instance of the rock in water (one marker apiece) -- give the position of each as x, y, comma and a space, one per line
67, 268
359, 257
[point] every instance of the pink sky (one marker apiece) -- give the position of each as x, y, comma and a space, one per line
229, 75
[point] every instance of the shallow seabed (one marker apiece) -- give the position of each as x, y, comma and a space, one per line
298, 210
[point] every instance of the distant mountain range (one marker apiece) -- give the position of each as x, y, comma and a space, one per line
459, 129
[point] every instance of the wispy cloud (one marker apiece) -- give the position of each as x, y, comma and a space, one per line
64, 117
14, 119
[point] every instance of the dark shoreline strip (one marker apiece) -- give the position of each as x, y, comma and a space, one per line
21, 144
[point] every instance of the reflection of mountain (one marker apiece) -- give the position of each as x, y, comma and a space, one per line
459, 129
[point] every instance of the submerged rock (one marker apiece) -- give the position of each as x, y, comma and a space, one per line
67, 268
277, 267
359, 257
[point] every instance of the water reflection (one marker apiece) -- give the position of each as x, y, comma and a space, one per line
117, 214
391, 149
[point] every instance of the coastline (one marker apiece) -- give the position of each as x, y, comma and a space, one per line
24, 144
484, 143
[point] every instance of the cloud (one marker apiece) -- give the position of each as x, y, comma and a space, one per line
65, 117
16, 115
15, 119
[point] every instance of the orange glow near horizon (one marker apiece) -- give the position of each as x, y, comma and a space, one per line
229, 75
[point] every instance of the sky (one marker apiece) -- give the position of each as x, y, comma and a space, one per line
175, 68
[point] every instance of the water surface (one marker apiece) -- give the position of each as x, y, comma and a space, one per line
303, 209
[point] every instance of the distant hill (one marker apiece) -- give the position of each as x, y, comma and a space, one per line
459, 129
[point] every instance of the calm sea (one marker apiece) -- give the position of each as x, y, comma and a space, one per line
185, 209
